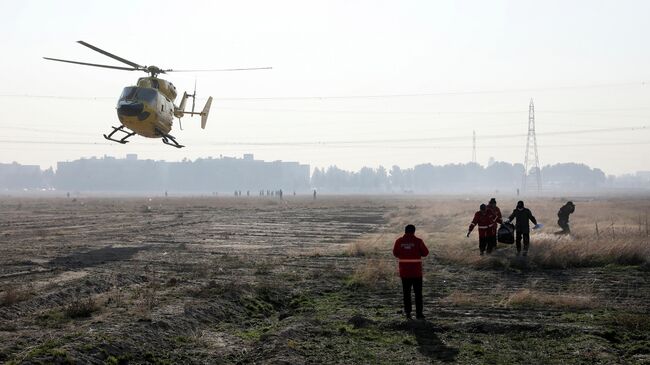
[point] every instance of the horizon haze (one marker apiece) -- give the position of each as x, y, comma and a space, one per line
353, 84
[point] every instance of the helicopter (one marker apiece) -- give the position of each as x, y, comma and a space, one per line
148, 108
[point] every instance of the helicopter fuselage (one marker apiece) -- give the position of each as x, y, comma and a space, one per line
148, 109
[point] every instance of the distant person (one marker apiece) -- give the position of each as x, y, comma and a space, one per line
409, 250
563, 217
280, 193
314, 194
522, 227
498, 218
486, 221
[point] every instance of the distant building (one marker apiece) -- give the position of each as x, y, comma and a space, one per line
643, 175
14, 176
211, 174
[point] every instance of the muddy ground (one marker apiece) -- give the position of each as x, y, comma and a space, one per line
252, 280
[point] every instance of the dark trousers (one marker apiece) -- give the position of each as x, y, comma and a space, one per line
416, 283
526, 237
564, 224
487, 243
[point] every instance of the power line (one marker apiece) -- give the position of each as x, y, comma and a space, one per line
433, 139
361, 142
379, 96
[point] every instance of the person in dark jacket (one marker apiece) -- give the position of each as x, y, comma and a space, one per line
522, 216
486, 222
563, 217
410, 249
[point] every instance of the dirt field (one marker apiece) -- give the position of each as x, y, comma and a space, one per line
248, 280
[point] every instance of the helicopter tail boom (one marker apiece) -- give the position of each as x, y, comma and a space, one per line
204, 114
180, 111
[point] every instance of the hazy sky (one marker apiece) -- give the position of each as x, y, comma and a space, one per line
354, 82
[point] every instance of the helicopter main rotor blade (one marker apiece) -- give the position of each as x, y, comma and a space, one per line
93, 64
132, 64
223, 69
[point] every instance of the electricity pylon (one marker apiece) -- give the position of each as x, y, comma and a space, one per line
531, 163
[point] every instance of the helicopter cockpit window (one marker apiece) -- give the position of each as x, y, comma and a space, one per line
139, 93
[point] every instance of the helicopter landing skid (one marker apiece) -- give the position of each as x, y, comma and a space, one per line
123, 140
168, 139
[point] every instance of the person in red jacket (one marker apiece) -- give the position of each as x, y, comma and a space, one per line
410, 249
485, 221
498, 218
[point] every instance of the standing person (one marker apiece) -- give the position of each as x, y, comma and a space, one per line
410, 249
563, 217
314, 194
486, 222
523, 215
498, 218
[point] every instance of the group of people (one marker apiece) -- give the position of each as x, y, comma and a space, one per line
410, 249
487, 218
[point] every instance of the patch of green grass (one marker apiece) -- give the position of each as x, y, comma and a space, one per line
256, 307
60, 356
627, 321
532, 348
44, 348
254, 333
157, 359
181, 340
52, 319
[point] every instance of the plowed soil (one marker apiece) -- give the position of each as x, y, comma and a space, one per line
252, 280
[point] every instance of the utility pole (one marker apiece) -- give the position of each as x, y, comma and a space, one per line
531, 163
474, 146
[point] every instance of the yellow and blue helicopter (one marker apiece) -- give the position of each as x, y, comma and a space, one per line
148, 108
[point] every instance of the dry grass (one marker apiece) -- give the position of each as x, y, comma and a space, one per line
534, 299
81, 308
13, 295
374, 273
622, 238
589, 252
547, 253
369, 245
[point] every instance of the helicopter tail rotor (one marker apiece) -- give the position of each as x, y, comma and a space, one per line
205, 112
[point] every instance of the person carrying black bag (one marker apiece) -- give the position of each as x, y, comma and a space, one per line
522, 216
